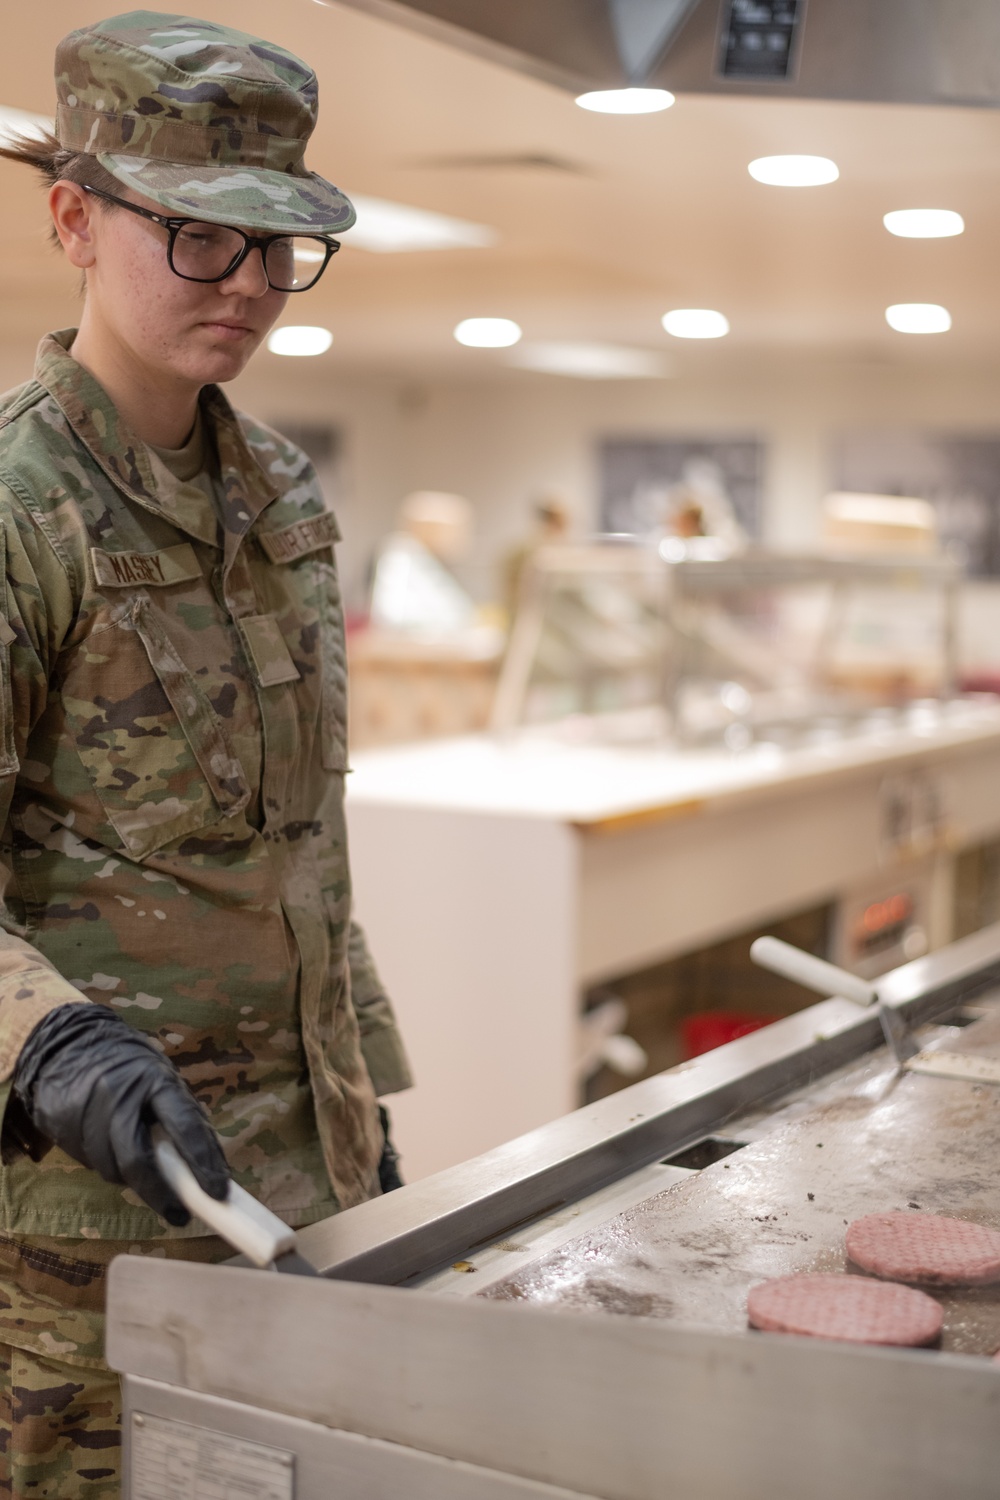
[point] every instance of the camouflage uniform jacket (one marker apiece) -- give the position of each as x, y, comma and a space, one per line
172, 759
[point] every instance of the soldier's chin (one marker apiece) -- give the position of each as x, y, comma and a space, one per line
225, 361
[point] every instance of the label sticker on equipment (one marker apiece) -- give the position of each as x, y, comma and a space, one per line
175, 1461
957, 1065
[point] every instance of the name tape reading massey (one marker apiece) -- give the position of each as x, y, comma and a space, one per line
309, 535
123, 569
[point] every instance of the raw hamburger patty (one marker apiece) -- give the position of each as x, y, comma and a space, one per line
844, 1307
925, 1247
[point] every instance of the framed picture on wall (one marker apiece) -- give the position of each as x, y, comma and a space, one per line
645, 480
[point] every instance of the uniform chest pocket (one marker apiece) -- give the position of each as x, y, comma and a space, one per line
152, 744
303, 597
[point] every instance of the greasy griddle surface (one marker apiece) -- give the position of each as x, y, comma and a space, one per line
781, 1205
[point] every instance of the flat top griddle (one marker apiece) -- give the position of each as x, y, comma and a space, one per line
380, 1389
875, 1140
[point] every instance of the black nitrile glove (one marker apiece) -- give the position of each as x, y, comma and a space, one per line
388, 1167
86, 1081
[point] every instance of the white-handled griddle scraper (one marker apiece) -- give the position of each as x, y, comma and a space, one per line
240, 1220
827, 979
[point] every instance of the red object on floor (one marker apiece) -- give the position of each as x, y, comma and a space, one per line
714, 1028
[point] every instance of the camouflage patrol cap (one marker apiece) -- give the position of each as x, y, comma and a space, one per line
206, 121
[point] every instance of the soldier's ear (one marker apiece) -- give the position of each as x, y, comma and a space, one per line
73, 214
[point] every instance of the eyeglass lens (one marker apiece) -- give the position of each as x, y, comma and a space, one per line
204, 252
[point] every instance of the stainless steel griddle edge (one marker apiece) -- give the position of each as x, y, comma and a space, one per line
435, 1220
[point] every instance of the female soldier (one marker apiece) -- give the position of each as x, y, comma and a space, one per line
176, 943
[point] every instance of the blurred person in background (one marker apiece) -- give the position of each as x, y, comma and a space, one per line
699, 505
551, 518
413, 586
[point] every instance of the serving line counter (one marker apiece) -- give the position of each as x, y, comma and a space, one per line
565, 1316
500, 878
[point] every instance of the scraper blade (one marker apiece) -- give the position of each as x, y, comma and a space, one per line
240, 1220
898, 1037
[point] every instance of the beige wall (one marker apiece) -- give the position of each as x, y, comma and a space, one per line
501, 441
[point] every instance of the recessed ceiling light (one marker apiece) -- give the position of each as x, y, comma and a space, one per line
626, 101
388, 228
918, 317
591, 361
923, 223
695, 323
300, 340
794, 171
18, 122
487, 333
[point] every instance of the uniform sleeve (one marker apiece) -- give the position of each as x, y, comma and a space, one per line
381, 1043
36, 607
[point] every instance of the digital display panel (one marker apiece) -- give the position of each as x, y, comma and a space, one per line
758, 38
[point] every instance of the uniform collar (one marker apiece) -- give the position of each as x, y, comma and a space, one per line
246, 489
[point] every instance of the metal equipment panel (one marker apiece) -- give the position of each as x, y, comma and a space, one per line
623, 1408
325, 1464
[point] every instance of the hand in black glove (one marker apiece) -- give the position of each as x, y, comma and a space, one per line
388, 1167
91, 1084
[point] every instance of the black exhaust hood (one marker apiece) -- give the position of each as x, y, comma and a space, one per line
895, 51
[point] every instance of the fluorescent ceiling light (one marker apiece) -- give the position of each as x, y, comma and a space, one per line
695, 323
591, 361
794, 171
918, 317
487, 333
626, 101
923, 223
15, 122
389, 228
301, 340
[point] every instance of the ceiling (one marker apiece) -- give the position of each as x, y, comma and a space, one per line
603, 222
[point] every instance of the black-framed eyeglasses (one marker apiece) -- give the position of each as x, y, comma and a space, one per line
210, 252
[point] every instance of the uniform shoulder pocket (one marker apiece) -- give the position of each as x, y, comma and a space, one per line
301, 591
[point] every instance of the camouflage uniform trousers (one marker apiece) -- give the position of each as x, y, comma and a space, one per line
61, 1429
60, 1405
